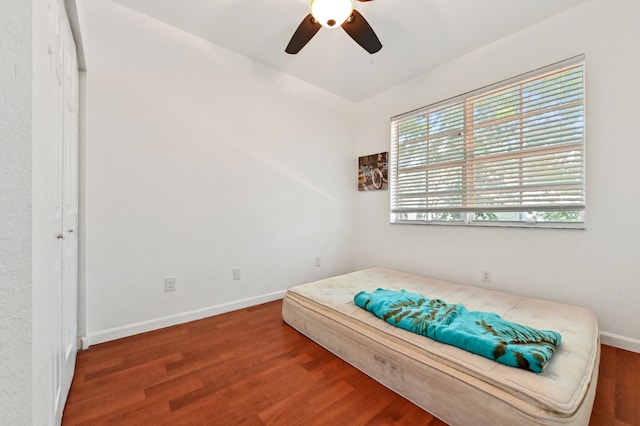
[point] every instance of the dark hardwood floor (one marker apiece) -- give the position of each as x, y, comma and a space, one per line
249, 368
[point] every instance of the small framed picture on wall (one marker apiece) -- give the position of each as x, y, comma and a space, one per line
373, 172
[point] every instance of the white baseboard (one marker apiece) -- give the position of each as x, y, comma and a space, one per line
144, 326
84, 343
621, 342
606, 338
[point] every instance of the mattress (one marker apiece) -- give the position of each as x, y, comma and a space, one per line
456, 386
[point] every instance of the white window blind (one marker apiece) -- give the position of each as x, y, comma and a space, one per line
512, 152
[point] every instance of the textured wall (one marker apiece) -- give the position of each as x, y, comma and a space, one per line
15, 212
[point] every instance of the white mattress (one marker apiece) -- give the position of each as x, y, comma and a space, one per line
420, 368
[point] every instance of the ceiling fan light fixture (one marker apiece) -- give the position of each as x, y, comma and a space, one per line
331, 13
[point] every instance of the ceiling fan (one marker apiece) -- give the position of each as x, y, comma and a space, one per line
333, 14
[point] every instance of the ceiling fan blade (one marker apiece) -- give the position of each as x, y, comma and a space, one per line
305, 32
359, 29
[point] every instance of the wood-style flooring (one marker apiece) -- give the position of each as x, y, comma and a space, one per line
249, 368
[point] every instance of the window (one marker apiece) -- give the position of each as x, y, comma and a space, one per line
509, 154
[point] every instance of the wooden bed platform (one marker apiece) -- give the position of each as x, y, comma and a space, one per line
458, 387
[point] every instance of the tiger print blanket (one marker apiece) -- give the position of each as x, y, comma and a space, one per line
482, 333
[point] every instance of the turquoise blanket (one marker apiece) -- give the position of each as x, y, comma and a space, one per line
481, 333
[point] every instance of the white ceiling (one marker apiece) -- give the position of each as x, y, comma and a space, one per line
417, 35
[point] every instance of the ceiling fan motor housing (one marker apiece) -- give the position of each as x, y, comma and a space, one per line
331, 13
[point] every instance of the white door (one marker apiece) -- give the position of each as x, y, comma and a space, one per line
63, 139
55, 142
69, 306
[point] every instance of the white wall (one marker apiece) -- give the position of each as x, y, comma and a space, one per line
197, 161
15, 213
598, 267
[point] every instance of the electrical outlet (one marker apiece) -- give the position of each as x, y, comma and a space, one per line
236, 273
169, 284
486, 276
318, 261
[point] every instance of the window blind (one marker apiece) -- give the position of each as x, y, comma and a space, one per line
513, 147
